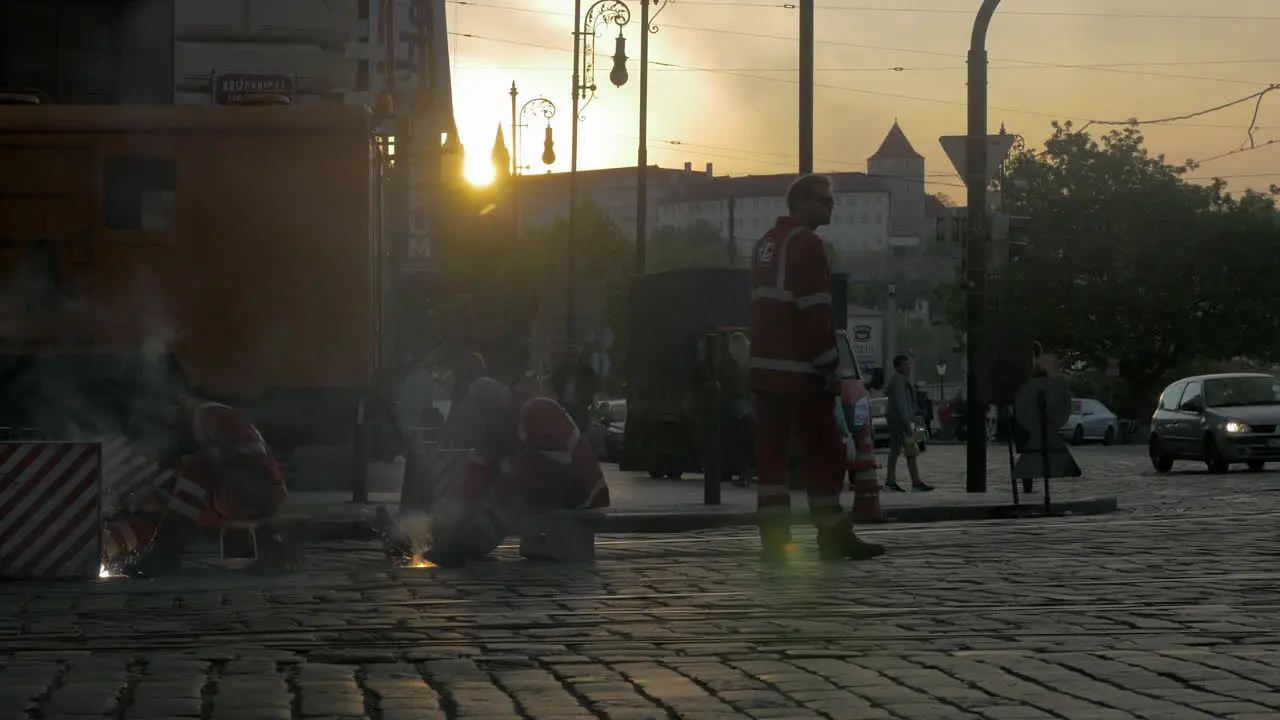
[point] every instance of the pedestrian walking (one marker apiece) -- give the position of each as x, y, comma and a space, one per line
575, 384
794, 375
924, 405
901, 416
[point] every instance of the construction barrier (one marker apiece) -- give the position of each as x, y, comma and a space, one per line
128, 474
50, 509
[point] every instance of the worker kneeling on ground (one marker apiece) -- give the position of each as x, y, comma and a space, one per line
531, 459
223, 472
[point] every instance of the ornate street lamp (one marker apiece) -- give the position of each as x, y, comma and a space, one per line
941, 367
547, 110
601, 13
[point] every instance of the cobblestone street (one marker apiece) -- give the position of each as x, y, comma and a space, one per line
1121, 471
1150, 615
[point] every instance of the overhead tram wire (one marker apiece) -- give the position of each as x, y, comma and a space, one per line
969, 12
841, 88
1029, 64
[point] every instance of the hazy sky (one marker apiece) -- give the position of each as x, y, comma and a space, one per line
722, 85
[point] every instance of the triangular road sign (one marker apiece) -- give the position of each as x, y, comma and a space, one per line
1031, 465
998, 147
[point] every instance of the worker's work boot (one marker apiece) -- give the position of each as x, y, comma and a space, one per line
775, 541
840, 543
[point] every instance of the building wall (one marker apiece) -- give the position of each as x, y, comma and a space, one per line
305, 37
88, 52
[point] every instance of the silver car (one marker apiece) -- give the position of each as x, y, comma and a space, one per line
880, 421
1090, 420
1219, 420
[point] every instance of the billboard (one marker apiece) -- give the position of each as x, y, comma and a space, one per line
866, 335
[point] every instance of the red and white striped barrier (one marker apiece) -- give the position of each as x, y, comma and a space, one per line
125, 472
50, 509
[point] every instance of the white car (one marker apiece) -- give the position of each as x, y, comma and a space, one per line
1090, 420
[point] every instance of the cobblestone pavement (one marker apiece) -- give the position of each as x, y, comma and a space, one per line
1104, 618
1120, 471
1123, 472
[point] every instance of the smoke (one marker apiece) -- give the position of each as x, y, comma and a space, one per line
84, 369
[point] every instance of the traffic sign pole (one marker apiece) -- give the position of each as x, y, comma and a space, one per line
976, 178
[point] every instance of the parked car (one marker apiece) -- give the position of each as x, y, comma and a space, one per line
1219, 420
607, 429
1090, 420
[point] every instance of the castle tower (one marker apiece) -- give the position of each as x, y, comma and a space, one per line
500, 157
901, 169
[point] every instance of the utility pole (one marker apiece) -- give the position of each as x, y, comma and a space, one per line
642, 150
976, 352
515, 151
732, 248
806, 86
571, 242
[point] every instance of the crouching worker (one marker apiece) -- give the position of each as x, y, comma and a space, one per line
530, 459
220, 471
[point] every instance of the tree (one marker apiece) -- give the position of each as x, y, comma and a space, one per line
1129, 262
672, 248
605, 261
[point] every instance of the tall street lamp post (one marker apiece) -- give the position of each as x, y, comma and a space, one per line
602, 12
547, 109
976, 252
642, 150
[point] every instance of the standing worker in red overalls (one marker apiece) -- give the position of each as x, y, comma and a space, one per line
224, 472
794, 375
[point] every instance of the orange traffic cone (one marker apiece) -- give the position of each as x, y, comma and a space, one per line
866, 485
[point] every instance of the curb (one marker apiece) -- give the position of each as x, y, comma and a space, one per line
662, 523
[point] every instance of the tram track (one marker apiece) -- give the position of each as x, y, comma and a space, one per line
618, 621
365, 639
569, 594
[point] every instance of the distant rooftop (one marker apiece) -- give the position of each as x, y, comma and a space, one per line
700, 188
896, 146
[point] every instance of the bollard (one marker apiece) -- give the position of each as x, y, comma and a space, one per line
1042, 407
360, 458
415, 488
713, 464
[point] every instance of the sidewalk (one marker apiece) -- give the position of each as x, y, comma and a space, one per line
644, 505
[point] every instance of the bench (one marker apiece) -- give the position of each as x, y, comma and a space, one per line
270, 546
561, 535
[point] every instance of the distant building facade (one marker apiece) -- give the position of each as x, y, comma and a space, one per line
883, 227
744, 208
544, 199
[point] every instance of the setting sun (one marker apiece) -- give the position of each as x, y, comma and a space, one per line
478, 170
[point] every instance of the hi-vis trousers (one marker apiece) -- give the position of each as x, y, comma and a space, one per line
810, 417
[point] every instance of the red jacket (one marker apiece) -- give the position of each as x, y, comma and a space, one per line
551, 463
232, 476
793, 345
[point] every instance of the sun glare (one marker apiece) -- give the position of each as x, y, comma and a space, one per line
479, 171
